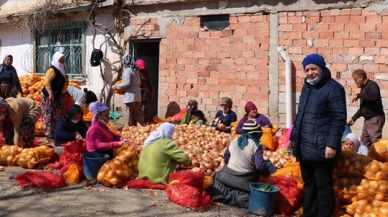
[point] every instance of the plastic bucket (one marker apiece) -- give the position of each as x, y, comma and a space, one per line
262, 202
92, 162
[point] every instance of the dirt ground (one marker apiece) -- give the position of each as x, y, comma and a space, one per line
81, 200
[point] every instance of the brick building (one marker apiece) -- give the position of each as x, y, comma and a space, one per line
241, 60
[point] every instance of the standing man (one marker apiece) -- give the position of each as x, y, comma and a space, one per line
371, 108
317, 134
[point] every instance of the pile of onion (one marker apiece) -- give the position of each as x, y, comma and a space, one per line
376, 170
363, 208
204, 145
122, 168
279, 158
365, 190
8, 154
379, 150
33, 157
32, 85
351, 164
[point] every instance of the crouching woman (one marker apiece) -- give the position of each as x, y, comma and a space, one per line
18, 117
243, 165
160, 155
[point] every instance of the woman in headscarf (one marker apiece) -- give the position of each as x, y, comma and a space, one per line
252, 114
53, 96
243, 165
146, 87
99, 138
18, 117
70, 126
159, 156
132, 94
225, 116
354, 143
9, 80
193, 115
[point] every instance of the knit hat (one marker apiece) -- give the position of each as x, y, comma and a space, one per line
251, 127
141, 64
249, 107
227, 101
314, 59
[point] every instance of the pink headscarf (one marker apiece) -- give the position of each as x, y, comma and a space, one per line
96, 108
141, 64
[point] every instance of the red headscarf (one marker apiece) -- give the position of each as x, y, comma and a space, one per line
248, 108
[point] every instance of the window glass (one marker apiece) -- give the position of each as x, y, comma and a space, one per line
70, 41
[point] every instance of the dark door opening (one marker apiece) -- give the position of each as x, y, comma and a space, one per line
148, 50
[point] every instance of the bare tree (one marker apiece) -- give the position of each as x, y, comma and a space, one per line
113, 35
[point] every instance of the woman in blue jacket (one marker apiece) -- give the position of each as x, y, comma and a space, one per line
70, 126
317, 134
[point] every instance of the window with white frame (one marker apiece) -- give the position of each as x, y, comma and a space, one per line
70, 40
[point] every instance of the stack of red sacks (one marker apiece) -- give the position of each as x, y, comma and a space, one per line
72, 155
186, 189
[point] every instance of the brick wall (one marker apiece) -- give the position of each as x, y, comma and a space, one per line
349, 39
207, 65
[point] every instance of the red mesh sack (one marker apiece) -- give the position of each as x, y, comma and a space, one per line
188, 196
188, 177
143, 184
45, 180
77, 146
287, 200
55, 166
178, 117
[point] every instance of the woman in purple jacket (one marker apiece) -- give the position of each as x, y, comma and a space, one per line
251, 114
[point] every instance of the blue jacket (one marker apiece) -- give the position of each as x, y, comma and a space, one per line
65, 130
320, 120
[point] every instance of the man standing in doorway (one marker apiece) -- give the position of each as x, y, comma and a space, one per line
371, 108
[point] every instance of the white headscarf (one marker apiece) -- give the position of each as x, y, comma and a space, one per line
352, 137
165, 130
55, 62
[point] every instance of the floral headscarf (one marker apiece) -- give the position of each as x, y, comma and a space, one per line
129, 62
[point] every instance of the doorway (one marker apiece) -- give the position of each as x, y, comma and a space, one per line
148, 50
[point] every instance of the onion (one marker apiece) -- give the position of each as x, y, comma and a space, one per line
383, 211
376, 203
350, 210
381, 175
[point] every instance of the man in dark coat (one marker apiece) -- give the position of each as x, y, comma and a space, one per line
371, 108
316, 135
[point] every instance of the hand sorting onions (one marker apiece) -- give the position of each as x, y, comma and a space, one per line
204, 145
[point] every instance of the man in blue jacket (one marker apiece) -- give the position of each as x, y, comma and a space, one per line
316, 135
